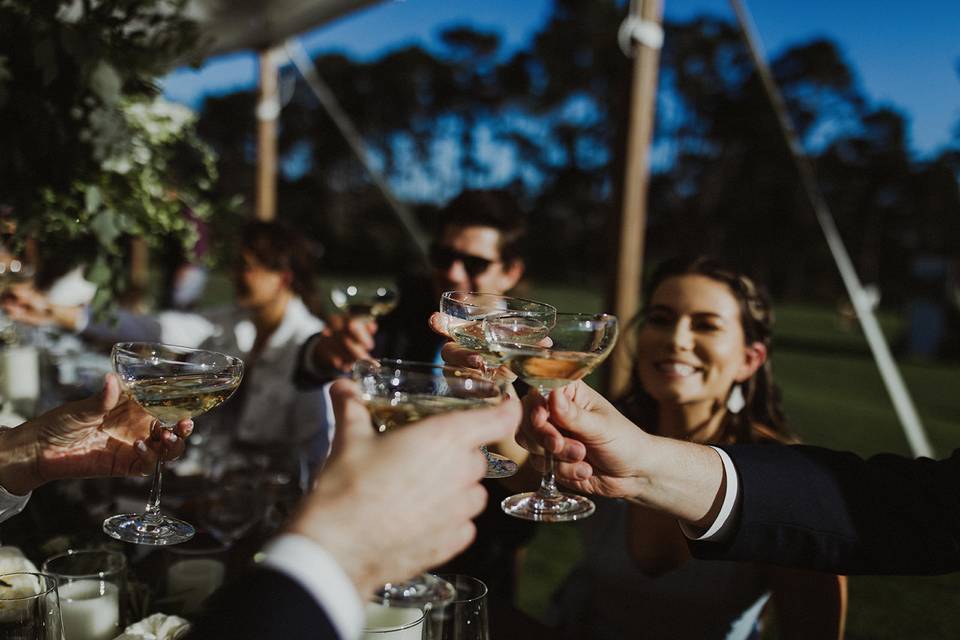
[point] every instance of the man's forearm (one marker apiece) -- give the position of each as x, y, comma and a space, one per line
683, 479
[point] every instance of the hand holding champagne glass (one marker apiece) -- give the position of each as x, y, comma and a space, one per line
398, 393
171, 383
363, 301
579, 343
461, 314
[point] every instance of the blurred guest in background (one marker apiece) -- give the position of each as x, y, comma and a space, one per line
265, 327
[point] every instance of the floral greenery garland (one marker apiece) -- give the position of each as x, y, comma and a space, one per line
88, 154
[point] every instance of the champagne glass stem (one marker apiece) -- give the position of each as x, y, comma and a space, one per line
152, 513
548, 482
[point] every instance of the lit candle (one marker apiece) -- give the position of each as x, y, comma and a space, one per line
90, 609
192, 581
19, 373
392, 623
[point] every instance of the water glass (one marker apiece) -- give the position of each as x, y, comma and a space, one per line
194, 571
29, 607
91, 588
466, 617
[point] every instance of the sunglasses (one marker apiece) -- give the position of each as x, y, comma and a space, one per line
442, 257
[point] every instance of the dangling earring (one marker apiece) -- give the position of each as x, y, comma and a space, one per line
735, 401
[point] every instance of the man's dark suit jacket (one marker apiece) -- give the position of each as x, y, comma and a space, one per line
263, 605
813, 508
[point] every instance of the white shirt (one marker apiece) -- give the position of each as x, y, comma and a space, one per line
274, 410
731, 499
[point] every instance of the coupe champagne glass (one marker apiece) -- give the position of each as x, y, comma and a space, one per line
363, 301
578, 344
398, 393
171, 383
528, 322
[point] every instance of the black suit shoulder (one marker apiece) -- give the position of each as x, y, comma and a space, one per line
833, 511
263, 605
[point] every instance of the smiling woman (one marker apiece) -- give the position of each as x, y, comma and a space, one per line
702, 374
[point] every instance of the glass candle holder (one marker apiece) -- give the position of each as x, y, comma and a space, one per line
91, 588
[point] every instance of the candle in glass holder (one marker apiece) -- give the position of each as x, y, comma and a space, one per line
191, 581
392, 623
90, 609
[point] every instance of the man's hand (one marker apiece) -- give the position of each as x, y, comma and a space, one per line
597, 450
105, 435
389, 506
594, 445
342, 342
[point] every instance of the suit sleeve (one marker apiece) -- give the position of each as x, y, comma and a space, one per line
813, 508
263, 605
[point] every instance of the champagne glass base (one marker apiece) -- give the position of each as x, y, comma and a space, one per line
424, 589
563, 508
499, 466
132, 527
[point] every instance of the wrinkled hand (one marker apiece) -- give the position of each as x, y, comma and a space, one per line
105, 435
594, 445
389, 506
344, 341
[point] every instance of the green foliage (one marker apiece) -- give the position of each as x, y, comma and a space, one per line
90, 155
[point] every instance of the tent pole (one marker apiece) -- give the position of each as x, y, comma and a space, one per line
889, 372
268, 110
643, 28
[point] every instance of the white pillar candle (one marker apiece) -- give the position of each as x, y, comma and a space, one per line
19, 373
192, 581
90, 609
392, 623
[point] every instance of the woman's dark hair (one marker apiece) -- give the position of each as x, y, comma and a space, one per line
762, 417
278, 248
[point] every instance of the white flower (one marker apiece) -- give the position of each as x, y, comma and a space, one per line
159, 626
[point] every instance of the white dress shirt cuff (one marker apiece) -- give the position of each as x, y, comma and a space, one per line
318, 573
731, 499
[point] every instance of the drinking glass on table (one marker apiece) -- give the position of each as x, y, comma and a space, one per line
397, 393
29, 607
466, 617
171, 383
91, 587
364, 301
231, 510
578, 344
462, 314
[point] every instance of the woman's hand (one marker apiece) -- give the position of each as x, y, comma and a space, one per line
107, 434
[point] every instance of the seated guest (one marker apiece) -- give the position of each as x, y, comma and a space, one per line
702, 374
266, 328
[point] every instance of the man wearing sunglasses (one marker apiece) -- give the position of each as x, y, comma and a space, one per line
476, 247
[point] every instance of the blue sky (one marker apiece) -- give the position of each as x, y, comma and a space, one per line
906, 55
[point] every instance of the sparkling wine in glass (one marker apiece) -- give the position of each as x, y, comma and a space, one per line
578, 344
171, 383
398, 393
529, 322
363, 301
